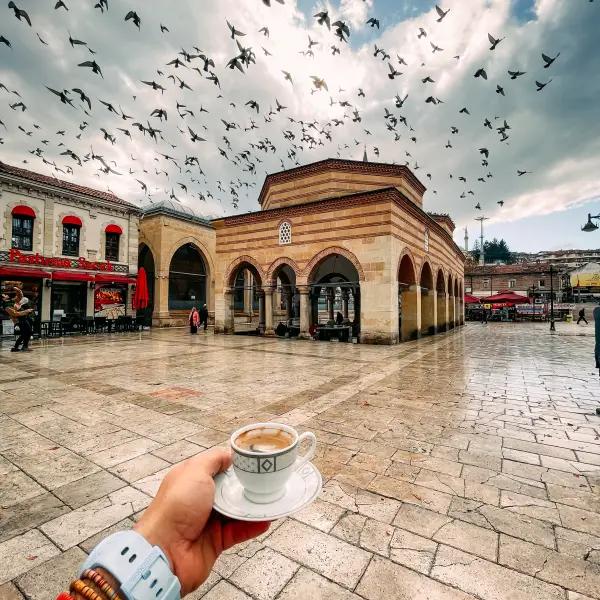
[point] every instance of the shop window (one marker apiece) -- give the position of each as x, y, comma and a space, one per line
70, 239
22, 232
112, 246
285, 233
512, 283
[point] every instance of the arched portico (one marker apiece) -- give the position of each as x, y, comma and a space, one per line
428, 297
285, 302
146, 260
441, 303
457, 303
451, 302
244, 297
332, 294
408, 300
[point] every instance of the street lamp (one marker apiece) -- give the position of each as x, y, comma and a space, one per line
590, 225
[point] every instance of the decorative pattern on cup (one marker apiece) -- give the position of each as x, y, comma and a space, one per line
265, 464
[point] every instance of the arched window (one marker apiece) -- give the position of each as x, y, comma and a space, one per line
285, 233
113, 237
22, 227
71, 233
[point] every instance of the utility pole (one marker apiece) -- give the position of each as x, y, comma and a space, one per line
481, 255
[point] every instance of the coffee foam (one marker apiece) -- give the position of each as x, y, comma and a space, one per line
264, 440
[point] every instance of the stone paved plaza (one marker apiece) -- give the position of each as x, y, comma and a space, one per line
457, 467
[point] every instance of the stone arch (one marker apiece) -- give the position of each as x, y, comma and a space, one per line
284, 260
233, 267
451, 301
406, 253
313, 264
426, 264
167, 256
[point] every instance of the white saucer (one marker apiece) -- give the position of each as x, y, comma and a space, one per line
302, 488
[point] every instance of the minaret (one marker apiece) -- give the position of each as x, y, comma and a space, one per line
466, 240
365, 159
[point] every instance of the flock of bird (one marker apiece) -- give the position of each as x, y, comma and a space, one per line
250, 134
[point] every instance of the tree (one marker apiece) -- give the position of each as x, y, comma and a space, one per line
497, 251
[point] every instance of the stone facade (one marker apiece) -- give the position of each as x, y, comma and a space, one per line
524, 278
367, 213
49, 203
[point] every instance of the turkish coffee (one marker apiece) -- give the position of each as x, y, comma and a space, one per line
264, 440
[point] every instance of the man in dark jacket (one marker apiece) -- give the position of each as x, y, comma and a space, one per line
204, 316
20, 315
582, 317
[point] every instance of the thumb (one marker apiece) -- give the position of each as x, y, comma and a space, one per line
216, 460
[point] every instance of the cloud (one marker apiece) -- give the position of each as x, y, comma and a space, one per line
551, 132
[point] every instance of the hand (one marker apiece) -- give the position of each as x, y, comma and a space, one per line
180, 520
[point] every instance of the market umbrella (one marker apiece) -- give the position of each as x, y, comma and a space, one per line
506, 296
140, 298
472, 299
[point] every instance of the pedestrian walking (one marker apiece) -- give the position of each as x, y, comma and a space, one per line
194, 320
484, 317
582, 317
21, 317
204, 316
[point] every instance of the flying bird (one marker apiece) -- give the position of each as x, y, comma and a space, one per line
494, 41
92, 64
480, 73
548, 60
541, 86
323, 18
515, 74
132, 15
19, 13
373, 22
62, 95
233, 30
441, 13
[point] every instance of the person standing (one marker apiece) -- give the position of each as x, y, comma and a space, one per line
484, 316
20, 315
204, 316
194, 320
582, 317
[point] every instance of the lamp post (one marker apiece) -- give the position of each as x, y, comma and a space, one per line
590, 225
552, 325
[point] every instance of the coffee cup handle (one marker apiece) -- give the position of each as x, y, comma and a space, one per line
302, 460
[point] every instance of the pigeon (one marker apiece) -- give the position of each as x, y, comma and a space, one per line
480, 73
493, 41
441, 13
373, 22
132, 15
92, 64
515, 74
60, 4
541, 86
323, 18
233, 30
548, 60
19, 13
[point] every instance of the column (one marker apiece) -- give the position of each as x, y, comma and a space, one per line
330, 297
427, 312
228, 318
161, 315
268, 309
289, 297
248, 293
304, 291
261, 311
411, 311
345, 299
46, 301
48, 233
440, 311
89, 308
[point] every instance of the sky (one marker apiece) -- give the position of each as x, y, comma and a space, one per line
552, 135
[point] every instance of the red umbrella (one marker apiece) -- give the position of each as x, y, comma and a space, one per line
472, 299
140, 298
506, 296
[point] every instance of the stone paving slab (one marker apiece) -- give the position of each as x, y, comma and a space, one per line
460, 467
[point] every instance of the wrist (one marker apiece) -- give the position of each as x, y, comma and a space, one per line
153, 535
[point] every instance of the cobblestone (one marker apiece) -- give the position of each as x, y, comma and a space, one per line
458, 467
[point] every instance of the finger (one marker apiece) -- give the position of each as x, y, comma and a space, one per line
215, 460
236, 532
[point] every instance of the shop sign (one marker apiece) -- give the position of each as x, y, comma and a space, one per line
531, 309
563, 306
16, 256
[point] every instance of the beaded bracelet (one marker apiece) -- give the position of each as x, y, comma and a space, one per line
101, 583
87, 592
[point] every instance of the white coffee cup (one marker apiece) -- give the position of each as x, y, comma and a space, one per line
263, 475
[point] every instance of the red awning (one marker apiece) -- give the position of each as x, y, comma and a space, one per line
108, 278
18, 272
472, 299
72, 276
506, 296
23, 211
113, 229
72, 220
